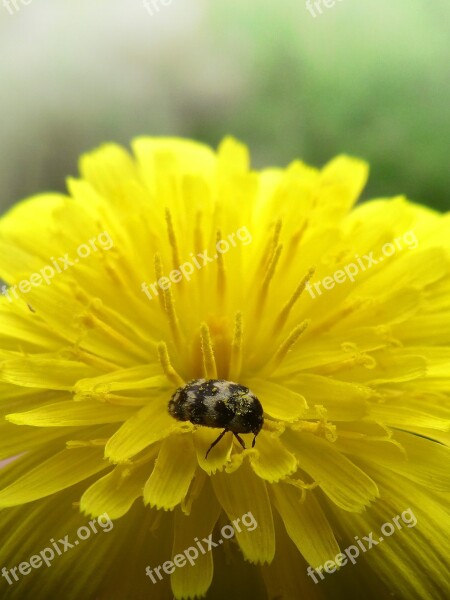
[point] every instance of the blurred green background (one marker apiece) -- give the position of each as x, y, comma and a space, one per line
366, 77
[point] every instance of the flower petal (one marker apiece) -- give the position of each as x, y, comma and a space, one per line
14, 440
425, 462
286, 576
241, 492
43, 372
168, 156
342, 481
71, 414
270, 459
421, 536
173, 472
341, 182
432, 410
219, 455
192, 581
342, 400
21, 326
149, 425
116, 492
306, 524
278, 401
57, 473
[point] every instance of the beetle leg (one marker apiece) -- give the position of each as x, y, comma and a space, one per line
216, 442
240, 440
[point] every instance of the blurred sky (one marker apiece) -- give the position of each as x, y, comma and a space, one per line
367, 77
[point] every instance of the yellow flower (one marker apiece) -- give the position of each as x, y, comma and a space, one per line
179, 263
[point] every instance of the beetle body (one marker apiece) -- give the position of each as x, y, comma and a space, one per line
218, 403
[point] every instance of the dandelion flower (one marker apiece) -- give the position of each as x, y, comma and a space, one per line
335, 316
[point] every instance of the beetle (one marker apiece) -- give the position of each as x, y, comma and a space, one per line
218, 403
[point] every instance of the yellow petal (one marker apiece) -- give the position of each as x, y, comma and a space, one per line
24, 329
25, 252
419, 268
409, 411
342, 481
219, 455
114, 493
326, 350
270, 459
14, 440
306, 524
133, 378
233, 157
151, 424
108, 168
286, 576
342, 400
172, 475
278, 401
426, 462
72, 414
192, 581
57, 473
171, 155
42, 372
341, 182
423, 328
242, 492
421, 536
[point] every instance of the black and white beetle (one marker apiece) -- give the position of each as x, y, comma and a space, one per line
218, 403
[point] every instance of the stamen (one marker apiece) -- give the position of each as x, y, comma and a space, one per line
268, 278
209, 362
221, 274
321, 428
347, 309
289, 343
296, 239
92, 359
168, 304
358, 358
72, 444
271, 246
198, 233
167, 367
272, 266
236, 349
295, 296
276, 233
90, 321
158, 274
173, 240
276, 428
302, 486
